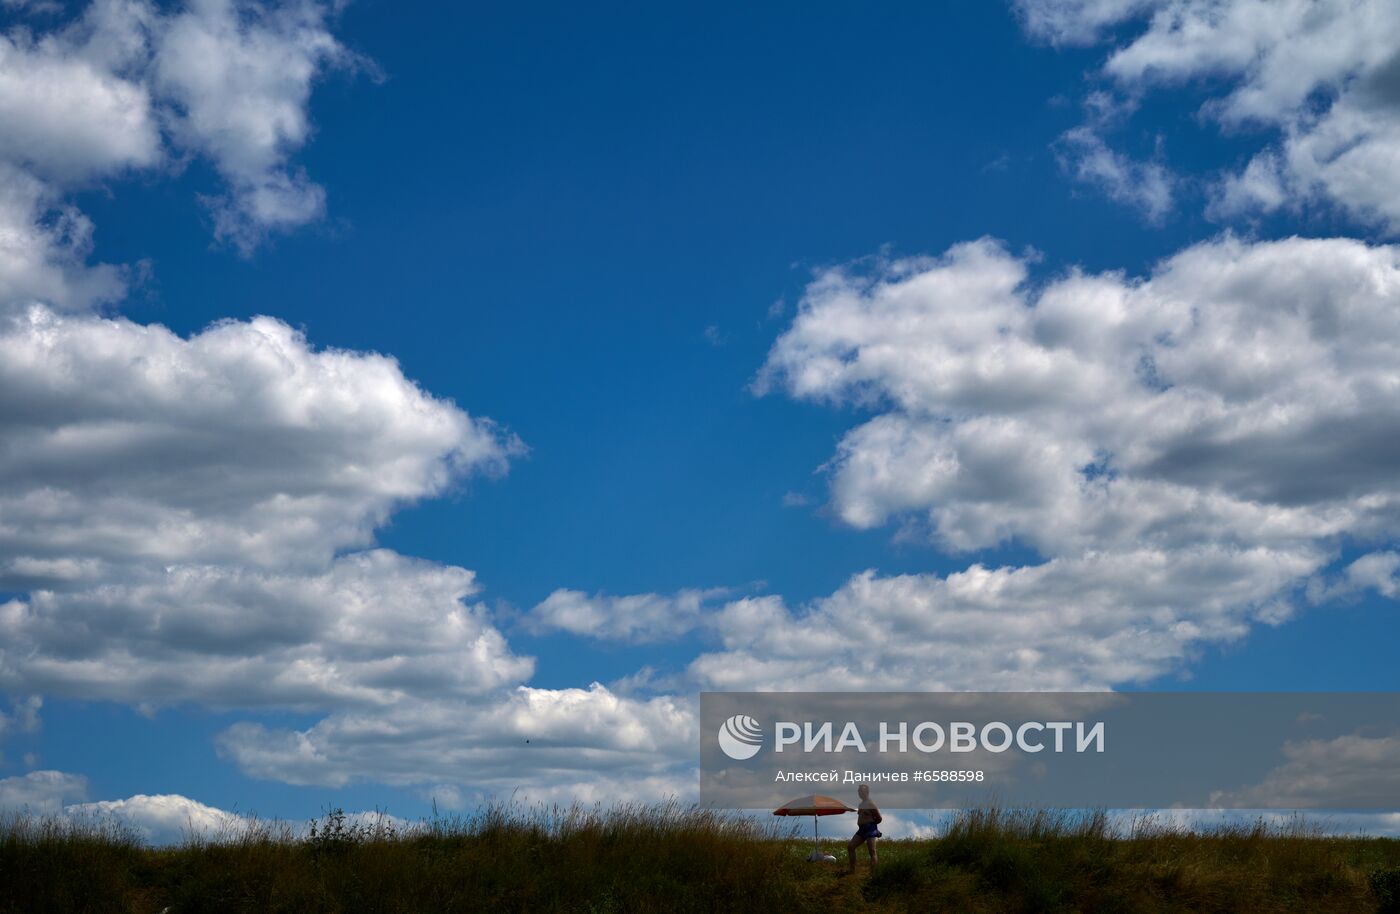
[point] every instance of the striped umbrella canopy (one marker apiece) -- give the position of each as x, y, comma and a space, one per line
813, 805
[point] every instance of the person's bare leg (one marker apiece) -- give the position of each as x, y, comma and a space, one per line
851, 852
874, 857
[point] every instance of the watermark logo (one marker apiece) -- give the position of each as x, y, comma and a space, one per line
740, 737
1056, 750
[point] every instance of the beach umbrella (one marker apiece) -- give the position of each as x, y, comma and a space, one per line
816, 806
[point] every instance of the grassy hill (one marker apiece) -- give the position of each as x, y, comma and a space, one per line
669, 858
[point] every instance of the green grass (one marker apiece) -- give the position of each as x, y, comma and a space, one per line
668, 858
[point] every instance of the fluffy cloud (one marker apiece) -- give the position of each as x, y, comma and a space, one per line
41, 792
541, 739
1073, 22
372, 628
23, 716
163, 818
44, 246
1325, 76
635, 617
1348, 771
177, 512
33, 6
239, 77
1147, 186
160, 819
67, 115
192, 519
1255, 381
107, 91
126, 444
174, 509
72, 114
1377, 571
1068, 624
1185, 452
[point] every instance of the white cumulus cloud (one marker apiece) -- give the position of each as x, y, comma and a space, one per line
1075, 22
41, 792
1185, 452
128, 84
126, 444
44, 247
162, 818
536, 739
633, 617
192, 518
1147, 186
177, 511
1320, 79
67, 113
371, 628
238, 76
59, 799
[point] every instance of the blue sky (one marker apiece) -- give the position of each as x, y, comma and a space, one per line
607, 231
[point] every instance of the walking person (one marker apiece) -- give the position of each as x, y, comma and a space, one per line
868, 819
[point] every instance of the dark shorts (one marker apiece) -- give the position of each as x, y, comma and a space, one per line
868, 830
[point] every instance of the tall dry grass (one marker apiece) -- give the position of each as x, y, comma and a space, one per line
670, 857
994, 860
504, 857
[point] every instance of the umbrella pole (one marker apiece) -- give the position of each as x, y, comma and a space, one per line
816, 842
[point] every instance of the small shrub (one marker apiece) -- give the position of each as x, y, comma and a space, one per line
1385, 884
336, 831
